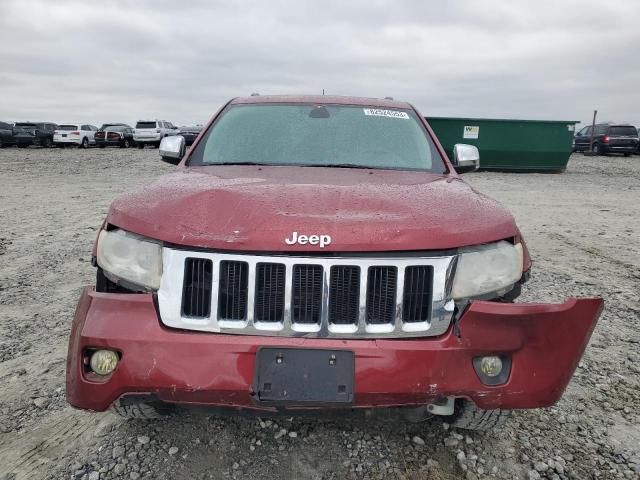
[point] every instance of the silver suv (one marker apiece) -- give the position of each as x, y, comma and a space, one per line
151, 132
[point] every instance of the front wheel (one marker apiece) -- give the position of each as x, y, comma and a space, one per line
627, 154
469, 417
47, 143
125, 143
140, 146
85, 143
132, 407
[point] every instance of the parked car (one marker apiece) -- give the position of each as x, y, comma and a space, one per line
28, 133
114, 135
318, 252
6, 135
151, 132
74, 134
608, 138
190, 133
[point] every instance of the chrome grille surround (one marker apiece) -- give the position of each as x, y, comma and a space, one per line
171, 287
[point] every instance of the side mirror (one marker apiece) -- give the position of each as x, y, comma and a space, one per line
172, 149
466, 158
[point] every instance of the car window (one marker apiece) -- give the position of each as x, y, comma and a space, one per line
625, 131
584, 131
4, 126
67, 127
274, 134
146, 125
601, 129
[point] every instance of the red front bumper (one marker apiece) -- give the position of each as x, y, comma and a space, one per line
545, 343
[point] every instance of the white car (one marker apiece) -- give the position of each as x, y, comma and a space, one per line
151, 132
74, 134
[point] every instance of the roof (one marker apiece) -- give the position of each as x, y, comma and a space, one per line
320, 100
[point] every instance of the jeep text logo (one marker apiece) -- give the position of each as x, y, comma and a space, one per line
322, 240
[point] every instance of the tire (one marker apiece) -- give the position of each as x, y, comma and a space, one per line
22, 145
132, 407
47, 143
596, 149
140, 146
85, 143
125, 143
470, 417
627, 154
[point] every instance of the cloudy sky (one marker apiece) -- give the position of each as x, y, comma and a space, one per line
98, 61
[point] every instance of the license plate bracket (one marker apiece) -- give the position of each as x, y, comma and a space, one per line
305, 377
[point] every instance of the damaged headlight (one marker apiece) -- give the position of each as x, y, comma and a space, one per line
486, 269
131, 258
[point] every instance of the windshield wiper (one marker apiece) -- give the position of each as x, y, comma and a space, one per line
339, 165
333, 165
238, 163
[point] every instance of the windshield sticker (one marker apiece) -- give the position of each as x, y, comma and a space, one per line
377, 112
471, 132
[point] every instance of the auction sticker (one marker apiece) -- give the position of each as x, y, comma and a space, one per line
471, 132
378, 112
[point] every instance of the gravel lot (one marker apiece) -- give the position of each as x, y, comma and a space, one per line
582, 228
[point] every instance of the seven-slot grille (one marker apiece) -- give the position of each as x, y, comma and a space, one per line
305, 296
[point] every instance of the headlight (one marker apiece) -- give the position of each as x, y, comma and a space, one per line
130, 257
486, 269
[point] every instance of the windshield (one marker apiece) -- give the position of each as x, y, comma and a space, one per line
146, 125
114, 129
313, 135
25, 125
623, 131
67, 127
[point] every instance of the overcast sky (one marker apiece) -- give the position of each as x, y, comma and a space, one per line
99, 61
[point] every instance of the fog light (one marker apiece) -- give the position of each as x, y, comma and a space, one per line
104, 362
493, 369
491, 366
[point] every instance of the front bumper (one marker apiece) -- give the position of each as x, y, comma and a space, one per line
545, 343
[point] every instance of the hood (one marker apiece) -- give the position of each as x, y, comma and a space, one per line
255, 208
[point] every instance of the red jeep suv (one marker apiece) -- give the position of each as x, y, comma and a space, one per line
316, 252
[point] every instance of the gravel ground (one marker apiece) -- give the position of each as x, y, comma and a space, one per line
582, 228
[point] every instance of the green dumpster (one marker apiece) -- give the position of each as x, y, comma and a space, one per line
533, 145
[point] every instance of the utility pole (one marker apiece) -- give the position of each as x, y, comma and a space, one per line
593, 128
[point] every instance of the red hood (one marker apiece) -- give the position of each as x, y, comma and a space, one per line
251, 208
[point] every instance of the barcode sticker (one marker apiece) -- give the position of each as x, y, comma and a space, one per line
378, 112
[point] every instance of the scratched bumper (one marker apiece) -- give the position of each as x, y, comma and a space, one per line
545, 343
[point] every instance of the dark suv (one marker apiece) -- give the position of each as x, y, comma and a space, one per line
27, 133
608, 138
6, 134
